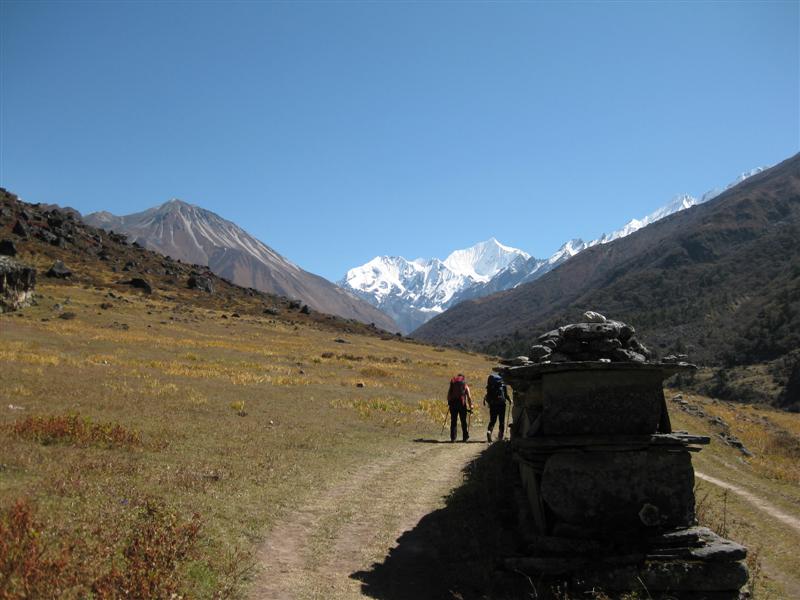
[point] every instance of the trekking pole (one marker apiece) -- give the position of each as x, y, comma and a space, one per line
446, 414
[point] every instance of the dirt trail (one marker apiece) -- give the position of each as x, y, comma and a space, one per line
354, 523
759, 503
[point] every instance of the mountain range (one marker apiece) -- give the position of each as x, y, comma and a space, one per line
720, 281
415, 291
198, 236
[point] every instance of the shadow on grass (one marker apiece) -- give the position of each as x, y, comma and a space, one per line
452, 552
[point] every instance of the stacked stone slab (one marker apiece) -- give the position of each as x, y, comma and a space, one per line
607, 487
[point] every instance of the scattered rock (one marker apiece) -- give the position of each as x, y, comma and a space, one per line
7, 248
360, 384
67, 316
202, 283
106, 305
272, 311
341, 341
21, 229
305, 310
139, 283
59, 270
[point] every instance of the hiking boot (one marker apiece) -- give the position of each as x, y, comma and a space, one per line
466, 439
489, 437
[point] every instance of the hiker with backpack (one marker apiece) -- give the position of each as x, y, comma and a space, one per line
459, 401
496, 398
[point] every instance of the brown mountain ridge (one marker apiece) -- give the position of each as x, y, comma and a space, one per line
193, 234
722, 278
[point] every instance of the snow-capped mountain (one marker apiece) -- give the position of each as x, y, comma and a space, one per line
195, 235
412, 292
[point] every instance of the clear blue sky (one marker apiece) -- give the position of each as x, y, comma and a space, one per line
338, 131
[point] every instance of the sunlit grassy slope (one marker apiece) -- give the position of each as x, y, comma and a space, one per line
771, 474
233, 418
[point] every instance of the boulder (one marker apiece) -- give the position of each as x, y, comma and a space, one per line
21, 229
593, 317
139, 283
7, 248
202, 283
17, 282
59, 270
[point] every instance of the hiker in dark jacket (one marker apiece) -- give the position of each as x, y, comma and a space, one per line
459, 401
496, 398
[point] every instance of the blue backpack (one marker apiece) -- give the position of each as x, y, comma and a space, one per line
495, 389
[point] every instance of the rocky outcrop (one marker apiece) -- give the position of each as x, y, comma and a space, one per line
17, 282
201, 282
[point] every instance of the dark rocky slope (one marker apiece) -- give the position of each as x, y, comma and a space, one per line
42, 235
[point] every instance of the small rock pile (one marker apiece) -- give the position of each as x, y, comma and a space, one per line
595, 339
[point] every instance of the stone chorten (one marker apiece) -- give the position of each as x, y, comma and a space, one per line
607, 487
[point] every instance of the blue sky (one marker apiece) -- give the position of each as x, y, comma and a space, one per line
336, 131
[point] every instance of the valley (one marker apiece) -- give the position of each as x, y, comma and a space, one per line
252, 449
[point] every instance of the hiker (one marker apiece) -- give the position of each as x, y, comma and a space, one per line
459, 401
496, 398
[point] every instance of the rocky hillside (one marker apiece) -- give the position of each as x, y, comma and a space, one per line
721, 278
62, 247
192, 234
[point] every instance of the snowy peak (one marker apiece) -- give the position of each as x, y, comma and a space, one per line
412, 291
484, 260
567, 250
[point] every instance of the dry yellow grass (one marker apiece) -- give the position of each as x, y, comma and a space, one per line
239, 418
771, 474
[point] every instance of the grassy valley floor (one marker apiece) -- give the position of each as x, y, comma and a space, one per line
153, 447
147, 431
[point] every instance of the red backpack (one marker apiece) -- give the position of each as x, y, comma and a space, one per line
458, 391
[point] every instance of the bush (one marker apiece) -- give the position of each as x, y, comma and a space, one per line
27, 568
148, 565
74, 430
